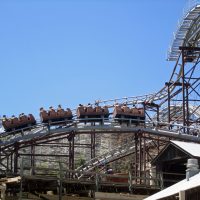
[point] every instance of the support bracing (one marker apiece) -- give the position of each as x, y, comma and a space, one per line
16, 159
71, 151
93, 141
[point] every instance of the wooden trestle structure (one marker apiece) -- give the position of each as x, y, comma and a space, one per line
171, 113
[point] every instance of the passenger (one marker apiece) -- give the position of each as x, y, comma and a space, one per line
118, 108
116, 105
43, 115
105, 110
124, 105
21, 115
41, 109
89, 108
81, 110
89, 105
23, 119
85, 108
68, 110
69, 113
51, 108
98, 109
4, 118
59, 107
126, 108
52, 113
110, 171
14, 120
5, 122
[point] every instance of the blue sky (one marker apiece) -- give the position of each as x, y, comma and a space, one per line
69, 52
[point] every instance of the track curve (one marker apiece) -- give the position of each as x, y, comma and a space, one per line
188, 34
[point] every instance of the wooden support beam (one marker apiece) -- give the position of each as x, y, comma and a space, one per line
182, 195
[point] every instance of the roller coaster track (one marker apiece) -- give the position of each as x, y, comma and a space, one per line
8, 138
153, 128
40, 131
188, 34
110, 125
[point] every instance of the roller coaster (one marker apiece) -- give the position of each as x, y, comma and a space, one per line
146, 122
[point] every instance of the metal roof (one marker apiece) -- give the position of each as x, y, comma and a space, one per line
194, 150
174, 189
190, 147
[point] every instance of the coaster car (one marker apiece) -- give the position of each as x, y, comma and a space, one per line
58, 115
126, 113
16, 123
84, 112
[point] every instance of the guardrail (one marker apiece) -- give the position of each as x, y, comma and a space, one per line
97, 180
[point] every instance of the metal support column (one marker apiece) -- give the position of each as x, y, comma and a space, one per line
71, 151
187, 108
136, 158
16, 156
183, 87
140, 157
93, 141
144, 106
158, 115
32, 158
168, 103
145, 161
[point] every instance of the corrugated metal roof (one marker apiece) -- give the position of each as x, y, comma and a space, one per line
191, 148
194, 150
174, 189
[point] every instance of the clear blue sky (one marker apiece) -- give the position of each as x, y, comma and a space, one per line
76, 51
